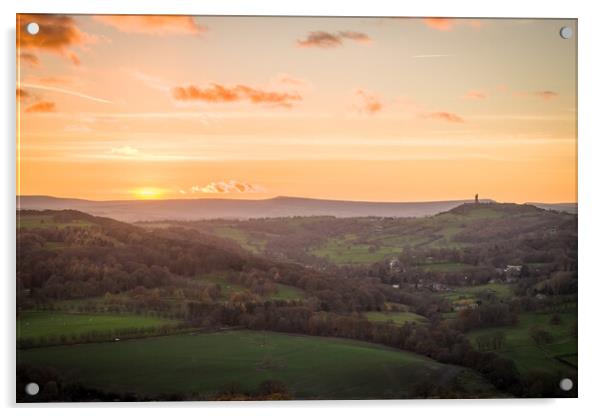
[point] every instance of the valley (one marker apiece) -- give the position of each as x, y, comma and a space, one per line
477, 301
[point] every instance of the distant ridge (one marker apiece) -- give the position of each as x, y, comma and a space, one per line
196, 209
570, 207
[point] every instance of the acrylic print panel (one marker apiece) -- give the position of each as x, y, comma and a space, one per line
290, 208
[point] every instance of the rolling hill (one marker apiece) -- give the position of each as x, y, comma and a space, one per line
364, 240
197, 209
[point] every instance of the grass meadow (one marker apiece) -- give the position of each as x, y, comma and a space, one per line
527, 354
41, 324
202, 364
398, 318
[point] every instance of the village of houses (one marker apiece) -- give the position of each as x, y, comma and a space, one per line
507, 275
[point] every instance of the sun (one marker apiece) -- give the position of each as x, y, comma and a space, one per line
148, 193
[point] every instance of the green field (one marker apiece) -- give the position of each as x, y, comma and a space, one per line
520, 347
78, 305
227, 288
501, 290
347, 251
45, 324
463, 295
398, 318
285, 292
310, 367
246, 241
47, 221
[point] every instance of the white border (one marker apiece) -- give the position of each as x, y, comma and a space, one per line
590, 177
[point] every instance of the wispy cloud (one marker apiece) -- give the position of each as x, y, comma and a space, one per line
475, 95
358, 37
153, 24
29, 59
367, 102
41, 107
444, 116
420, 110
49, 80
226, 187
65, 91
546, 95
321, 39
290, 80
125, 151
217, 93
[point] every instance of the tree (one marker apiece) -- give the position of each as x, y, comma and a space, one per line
539, 335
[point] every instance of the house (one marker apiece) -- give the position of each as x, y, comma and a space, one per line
511, 269
463, 304
394, 266
512, 272
439, 287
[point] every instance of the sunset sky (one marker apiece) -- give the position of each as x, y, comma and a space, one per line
372, 109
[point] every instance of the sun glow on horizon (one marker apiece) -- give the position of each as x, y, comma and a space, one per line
148, 193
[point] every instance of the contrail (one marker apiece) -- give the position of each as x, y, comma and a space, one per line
69, 92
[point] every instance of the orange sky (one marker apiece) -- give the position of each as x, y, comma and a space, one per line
380, 109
